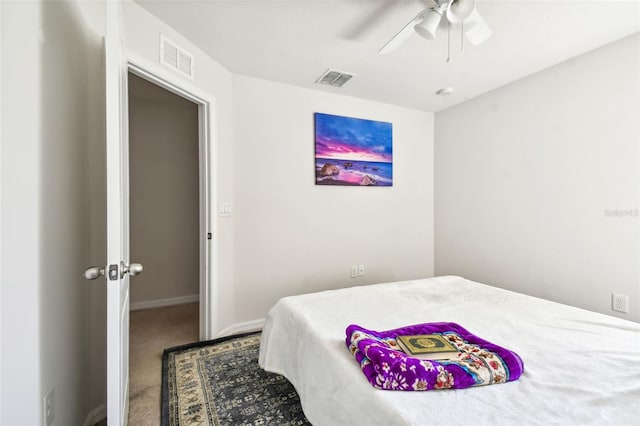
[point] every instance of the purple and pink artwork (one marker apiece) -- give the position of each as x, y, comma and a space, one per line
353, 151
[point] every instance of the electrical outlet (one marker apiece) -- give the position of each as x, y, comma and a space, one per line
360, 270
620, 303
48, 408
354, 271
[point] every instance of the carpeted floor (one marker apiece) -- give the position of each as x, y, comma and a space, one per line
151, 332
219, 382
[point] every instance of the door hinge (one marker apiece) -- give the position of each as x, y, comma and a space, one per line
208, 235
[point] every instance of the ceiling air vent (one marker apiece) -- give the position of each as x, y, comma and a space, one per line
175, 57
334, 78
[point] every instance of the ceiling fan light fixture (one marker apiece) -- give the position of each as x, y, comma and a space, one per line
427, 28
426, 23
459, 10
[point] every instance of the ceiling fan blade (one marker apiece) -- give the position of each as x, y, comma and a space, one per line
402, 35
476, 28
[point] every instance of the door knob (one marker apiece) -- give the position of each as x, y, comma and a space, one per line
132, 269
94, 272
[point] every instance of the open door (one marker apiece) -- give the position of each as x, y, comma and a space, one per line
118, 269
117, 221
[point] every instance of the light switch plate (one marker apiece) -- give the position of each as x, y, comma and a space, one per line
224, 209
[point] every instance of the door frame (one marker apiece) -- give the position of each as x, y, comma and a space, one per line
160, 76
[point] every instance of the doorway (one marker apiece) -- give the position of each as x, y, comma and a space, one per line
206, 104
164, 215
164, 195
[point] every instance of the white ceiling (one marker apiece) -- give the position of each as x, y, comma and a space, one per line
294, 41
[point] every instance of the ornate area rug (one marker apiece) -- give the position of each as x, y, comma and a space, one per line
219, 382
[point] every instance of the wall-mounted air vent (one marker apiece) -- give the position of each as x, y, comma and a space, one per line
176, 57
334, 78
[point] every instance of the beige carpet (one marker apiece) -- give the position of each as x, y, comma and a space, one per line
151, 332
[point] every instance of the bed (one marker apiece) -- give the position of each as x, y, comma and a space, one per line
580, 367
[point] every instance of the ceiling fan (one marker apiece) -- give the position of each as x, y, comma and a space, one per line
462, 12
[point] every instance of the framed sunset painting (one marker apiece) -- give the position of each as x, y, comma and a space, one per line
353, 151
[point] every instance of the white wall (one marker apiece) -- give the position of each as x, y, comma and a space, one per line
20, 214
294, 237
526, 178
142, 37
142, 32
1, 240
244, 292
164, 192
47, 54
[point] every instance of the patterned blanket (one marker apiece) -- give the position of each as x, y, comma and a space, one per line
477, 363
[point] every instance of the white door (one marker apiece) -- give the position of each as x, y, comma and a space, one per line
118, 268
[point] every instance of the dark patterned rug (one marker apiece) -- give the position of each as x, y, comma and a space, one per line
219, 382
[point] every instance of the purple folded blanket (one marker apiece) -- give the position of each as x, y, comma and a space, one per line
478, 363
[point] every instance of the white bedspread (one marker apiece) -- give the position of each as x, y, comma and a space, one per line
581, 367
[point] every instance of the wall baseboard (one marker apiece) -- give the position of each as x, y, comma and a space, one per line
96, 415
159, 303
242, 327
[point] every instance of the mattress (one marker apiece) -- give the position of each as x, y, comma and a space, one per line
581, 367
